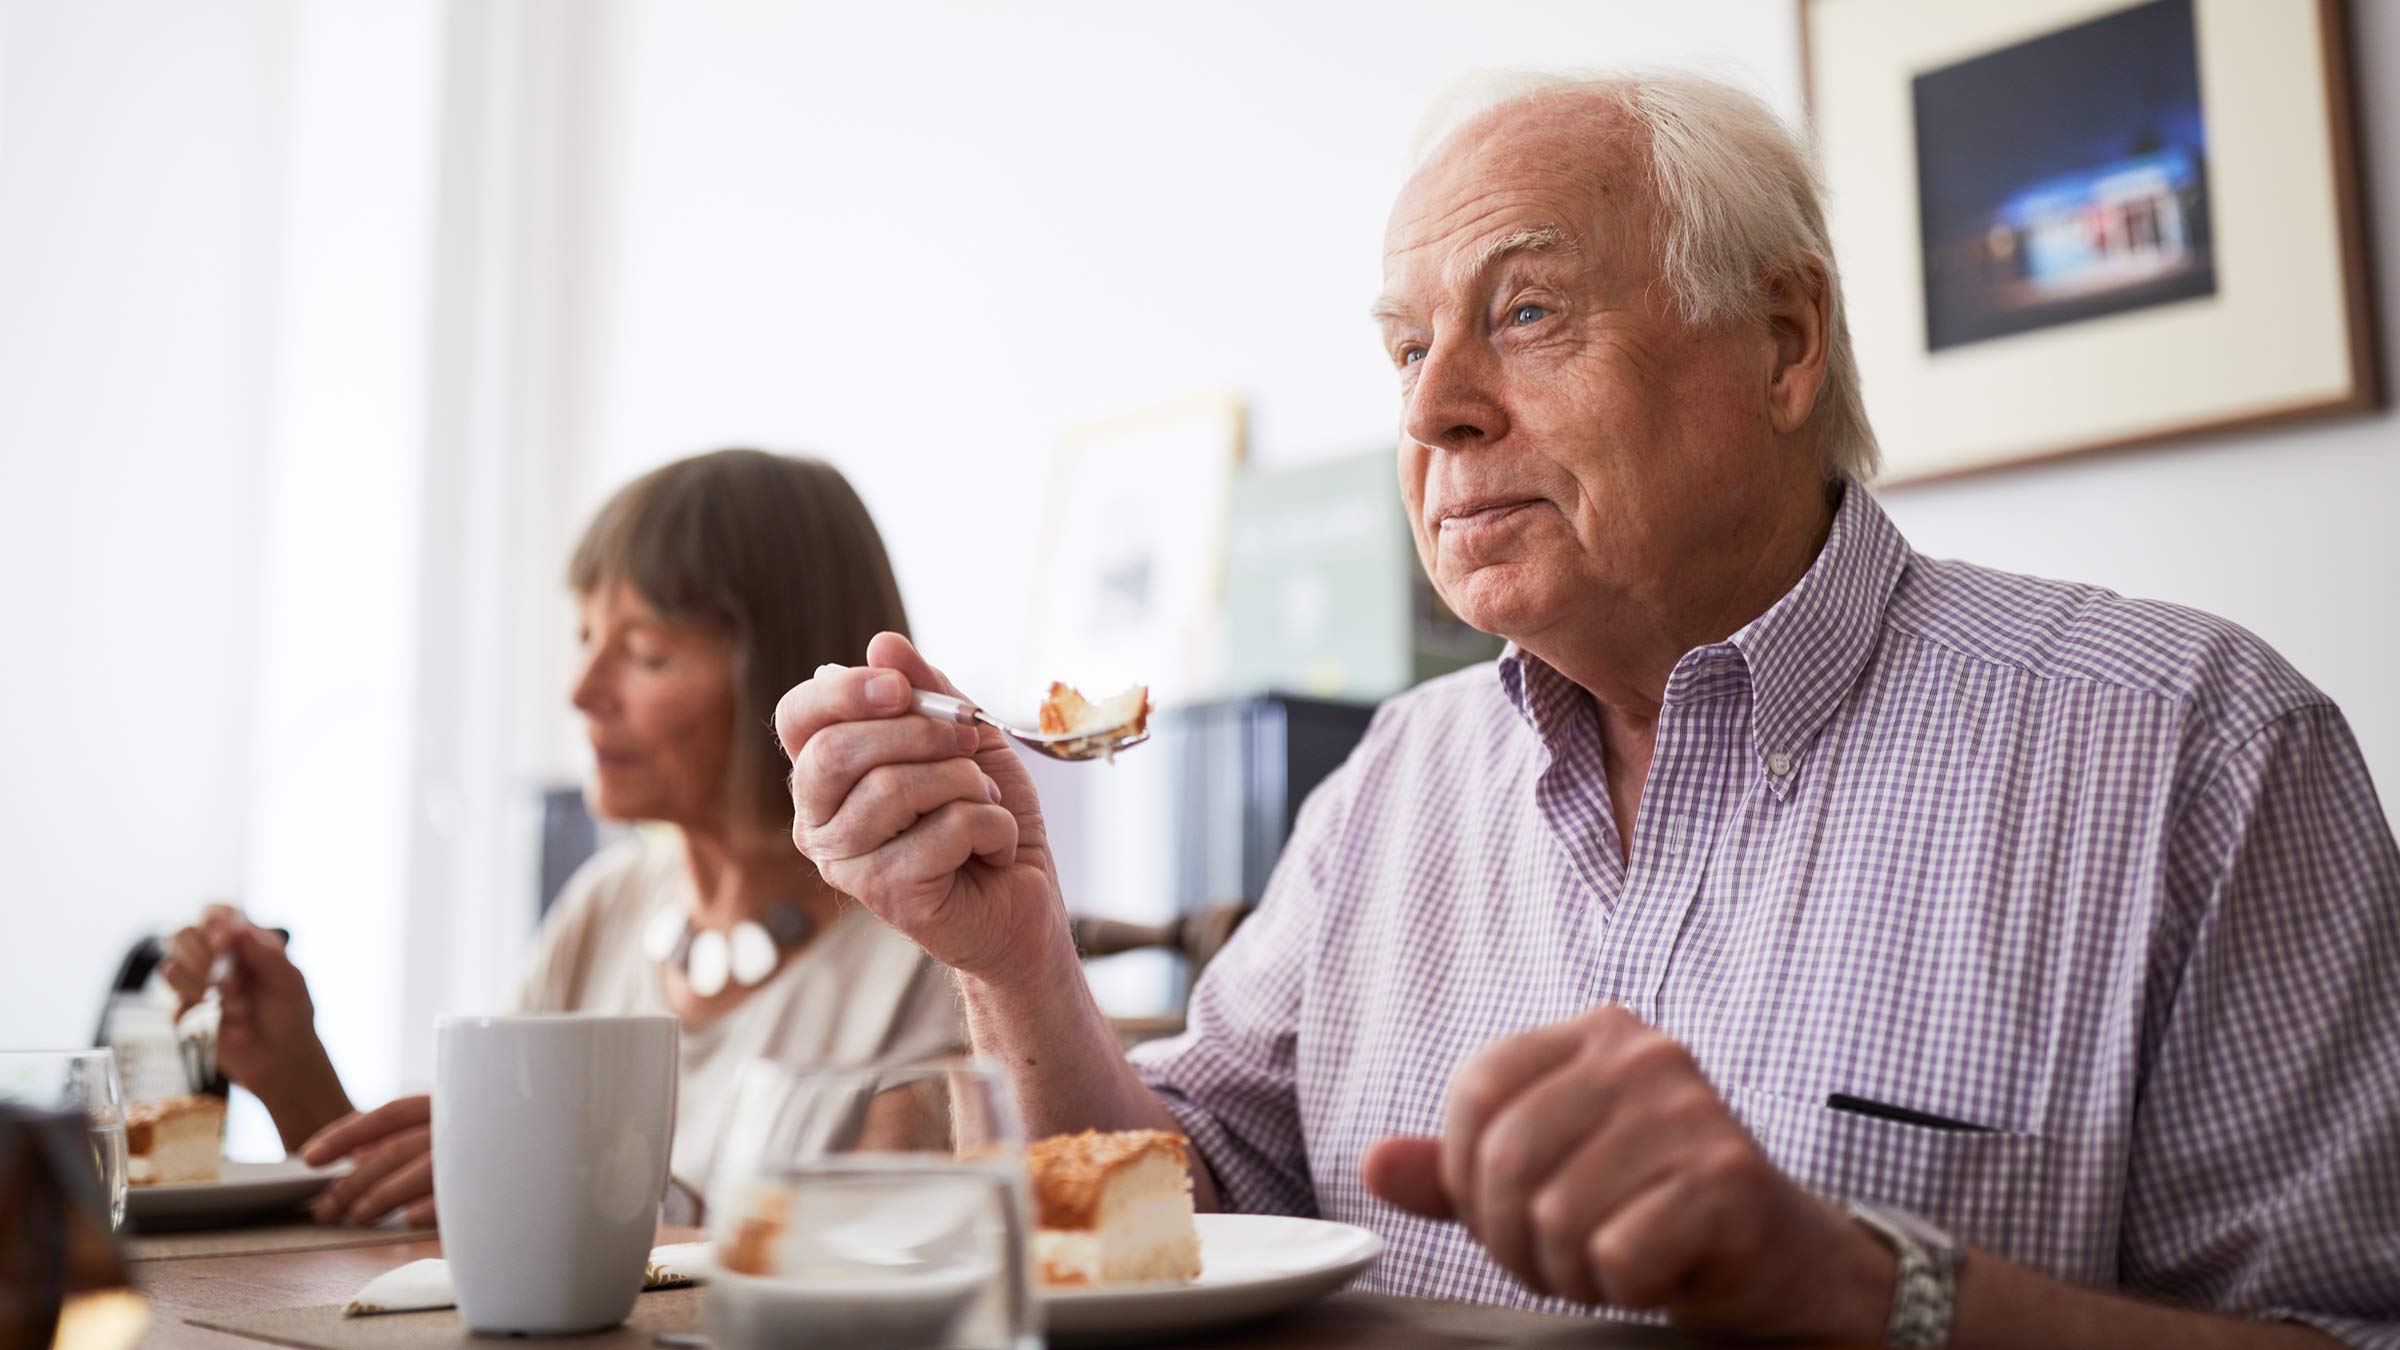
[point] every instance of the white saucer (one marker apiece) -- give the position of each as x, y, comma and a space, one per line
1250, 1265
241, 1191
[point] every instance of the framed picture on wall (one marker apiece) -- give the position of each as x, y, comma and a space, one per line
2075, 225
1130, 582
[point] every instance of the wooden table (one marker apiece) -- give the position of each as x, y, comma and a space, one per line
201, 1285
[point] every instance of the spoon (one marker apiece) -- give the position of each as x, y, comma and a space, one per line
1072, 746
196, 1029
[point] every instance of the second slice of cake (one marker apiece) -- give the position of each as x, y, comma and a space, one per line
1113, 1208
179, 1139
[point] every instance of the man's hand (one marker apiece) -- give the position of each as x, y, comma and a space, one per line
392, 1149
266, 1033
931, 825
1595, 1162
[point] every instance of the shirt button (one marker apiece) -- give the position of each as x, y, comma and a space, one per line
1779, 764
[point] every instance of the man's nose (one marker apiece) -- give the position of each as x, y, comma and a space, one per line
1455, 404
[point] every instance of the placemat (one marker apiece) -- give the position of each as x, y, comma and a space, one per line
264, 1239
326, 1329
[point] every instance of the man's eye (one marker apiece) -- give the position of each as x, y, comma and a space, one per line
1409, 356
1525, 314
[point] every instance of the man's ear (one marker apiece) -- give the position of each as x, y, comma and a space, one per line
1799, 314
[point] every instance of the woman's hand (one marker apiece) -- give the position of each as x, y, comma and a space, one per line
931, 825
266, 1034
391, 1148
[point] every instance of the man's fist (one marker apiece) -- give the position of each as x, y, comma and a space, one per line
1595, 1161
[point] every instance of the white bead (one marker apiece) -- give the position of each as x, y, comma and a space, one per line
753, 952
705, 968
660, 935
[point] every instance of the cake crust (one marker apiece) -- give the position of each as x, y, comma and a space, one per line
1070, 1171
143, 1118
178, 1139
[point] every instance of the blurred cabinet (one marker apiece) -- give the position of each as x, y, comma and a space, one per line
1324, 595
1195, 819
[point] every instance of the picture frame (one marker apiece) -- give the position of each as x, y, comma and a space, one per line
1130, 575
2073, 226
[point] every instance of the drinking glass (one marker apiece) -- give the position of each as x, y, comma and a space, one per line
82, 1081
873, 1206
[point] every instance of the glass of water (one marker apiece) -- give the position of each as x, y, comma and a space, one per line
873, 1207
82, 1081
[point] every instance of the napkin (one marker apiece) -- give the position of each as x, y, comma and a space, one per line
420, 1285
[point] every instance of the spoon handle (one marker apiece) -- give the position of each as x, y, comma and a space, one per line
945, 708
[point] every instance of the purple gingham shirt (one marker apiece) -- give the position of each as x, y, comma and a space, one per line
2105, 877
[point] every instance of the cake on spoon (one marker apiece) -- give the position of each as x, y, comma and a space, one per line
1066, 712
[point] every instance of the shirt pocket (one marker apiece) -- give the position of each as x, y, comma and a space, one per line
1986, 1187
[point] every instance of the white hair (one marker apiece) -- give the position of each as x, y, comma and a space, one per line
1737, 200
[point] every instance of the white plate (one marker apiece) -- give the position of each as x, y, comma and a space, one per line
241, 1190
1250, 1265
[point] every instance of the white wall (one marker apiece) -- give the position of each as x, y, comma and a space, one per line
218, 247
339, 799
2290, 533
924, 239
137, 176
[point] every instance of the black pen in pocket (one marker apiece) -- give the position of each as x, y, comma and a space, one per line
1843, 1101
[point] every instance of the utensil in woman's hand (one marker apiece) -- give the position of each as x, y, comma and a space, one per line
196, 1030
1073, 745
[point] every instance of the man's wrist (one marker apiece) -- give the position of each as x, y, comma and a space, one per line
1039, 1015
1030, 983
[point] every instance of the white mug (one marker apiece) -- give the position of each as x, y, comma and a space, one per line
550, 1142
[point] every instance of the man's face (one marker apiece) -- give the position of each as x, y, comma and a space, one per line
1567, 444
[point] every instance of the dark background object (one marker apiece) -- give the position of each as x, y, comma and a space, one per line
1276, 747
1235, 772
140, 963
569, 836
54, 1239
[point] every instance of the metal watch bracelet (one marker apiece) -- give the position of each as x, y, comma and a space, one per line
1925, 1291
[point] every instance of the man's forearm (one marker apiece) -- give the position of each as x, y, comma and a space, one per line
1071, 1074
2001, 1303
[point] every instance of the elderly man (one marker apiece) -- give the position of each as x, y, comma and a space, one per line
1791, 934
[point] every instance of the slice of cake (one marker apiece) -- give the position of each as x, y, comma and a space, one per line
1066, 712
1113, 1208
750, 1248
178, 1139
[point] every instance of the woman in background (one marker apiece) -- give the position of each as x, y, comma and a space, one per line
705, 589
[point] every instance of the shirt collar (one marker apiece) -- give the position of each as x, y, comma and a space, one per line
1806, 651
1801, 656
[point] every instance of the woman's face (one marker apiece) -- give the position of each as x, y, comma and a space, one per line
657, 699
